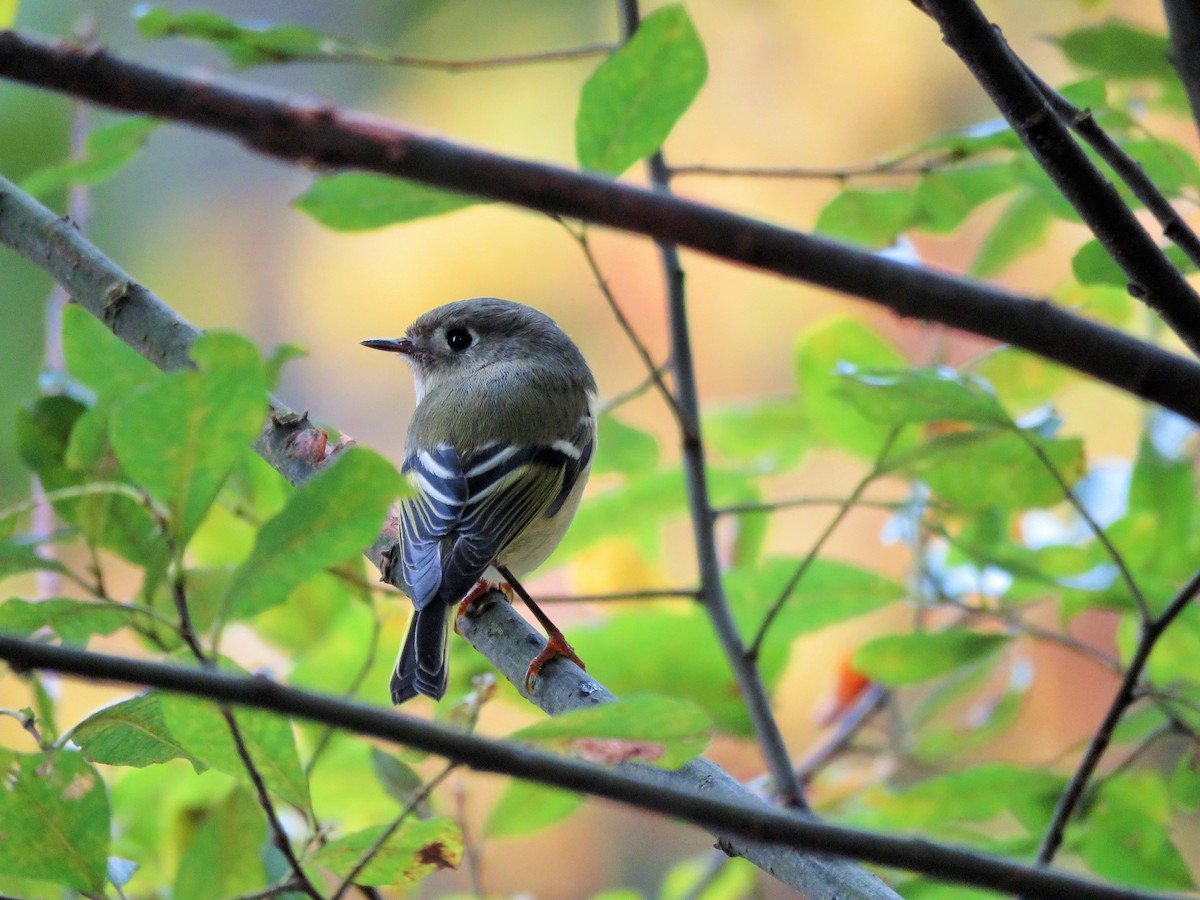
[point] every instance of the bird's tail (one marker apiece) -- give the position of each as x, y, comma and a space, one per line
421, 666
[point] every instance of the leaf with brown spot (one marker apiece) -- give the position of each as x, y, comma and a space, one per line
418, 848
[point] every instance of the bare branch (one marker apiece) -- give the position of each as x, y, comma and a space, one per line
1125, 696
1183, 23
1152, 277
647, 788
313, 134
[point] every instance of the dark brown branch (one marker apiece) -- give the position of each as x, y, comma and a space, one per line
634, 785
315, 134
695, 472
1152, 277
1084, 124
1125, 696
1183, 24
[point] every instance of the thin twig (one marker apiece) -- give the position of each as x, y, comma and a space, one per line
650, 381
850, 723
355, 683
1084, 124
1101, 536
712, 591
450, 66
1152, 277
893, 166
1125, 696
612, 596
737, 509
287, 886
386, 835
188, 633
653, 371
777, 606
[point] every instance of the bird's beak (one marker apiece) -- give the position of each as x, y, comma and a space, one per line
391, 345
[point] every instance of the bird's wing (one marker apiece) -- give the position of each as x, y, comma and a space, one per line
468, 509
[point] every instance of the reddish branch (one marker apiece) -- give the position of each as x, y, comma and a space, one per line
316, 134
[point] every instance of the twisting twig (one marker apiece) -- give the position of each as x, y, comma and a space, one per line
1183, 25
188, 633
1101, 535
650, 381
1084, 124
712, 592
892, 166
653, 372
351, 689
1153, 279
386, 835
848, 504
1125, 696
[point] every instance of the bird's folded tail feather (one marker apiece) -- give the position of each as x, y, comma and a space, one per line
421, 666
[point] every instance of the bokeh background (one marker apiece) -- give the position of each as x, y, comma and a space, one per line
209, 227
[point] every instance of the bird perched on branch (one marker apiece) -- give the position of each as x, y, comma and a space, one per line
498, 451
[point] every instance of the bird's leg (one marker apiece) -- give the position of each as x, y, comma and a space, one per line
556, 643
480, 588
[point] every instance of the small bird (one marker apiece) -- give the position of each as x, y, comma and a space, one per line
498, 451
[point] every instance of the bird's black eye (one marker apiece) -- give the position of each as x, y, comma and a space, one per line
458, 339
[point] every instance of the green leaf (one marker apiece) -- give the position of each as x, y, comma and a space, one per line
203, 732
17, 557
627, 450
1119, 50
1091, 264
1185, 783
417, 848
907, 396
1016, 479
331, 517
224, 857
634, 98
397, 778
896, 659
72, 620
945, 198
1127, 837
690, 665
829, 592
976, 794
113, 521
113, 370
54, 819
106, 152
1168, 165
646, 727
694, 879
360, 201
1021, 227
181, 435
526, 807
130, 733
770, 434
8, 12
871, 218
250, 44
821, 354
